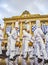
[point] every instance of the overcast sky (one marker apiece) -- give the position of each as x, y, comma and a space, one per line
10, 8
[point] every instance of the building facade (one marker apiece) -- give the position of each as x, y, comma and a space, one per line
10, 22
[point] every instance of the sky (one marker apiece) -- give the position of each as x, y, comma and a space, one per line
9, 8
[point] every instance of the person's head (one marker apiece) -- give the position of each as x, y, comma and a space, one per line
25, 29
16, 28
16, 25
37, 23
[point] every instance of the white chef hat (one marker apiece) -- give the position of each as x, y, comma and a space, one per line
24, 32
17, 24
28, 27
37, 23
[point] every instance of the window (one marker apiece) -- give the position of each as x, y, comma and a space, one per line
8, 29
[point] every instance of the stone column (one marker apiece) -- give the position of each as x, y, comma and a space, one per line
30, 27
12, 25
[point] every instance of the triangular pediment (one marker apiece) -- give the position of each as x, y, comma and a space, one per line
25, 13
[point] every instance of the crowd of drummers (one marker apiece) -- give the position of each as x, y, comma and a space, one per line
37, 52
